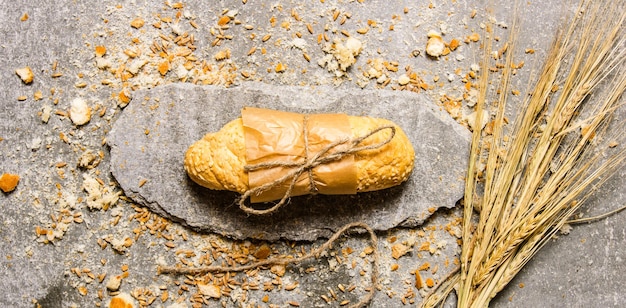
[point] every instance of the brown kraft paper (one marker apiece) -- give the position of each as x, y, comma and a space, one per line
277, 136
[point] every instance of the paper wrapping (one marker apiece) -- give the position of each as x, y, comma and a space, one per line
272, 136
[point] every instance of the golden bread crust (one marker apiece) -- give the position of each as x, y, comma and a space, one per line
217, 160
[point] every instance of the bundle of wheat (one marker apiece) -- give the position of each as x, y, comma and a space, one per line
559, 152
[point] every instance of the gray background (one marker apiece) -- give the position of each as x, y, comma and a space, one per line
582, 269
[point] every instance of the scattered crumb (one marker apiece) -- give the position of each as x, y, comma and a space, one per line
419, 283
430, 282
100, 51
403, 80
435, 45
124, 98
210, 290
98, 198
88, 160
164, 67
399, 250
278, 270
8, 182
103, 63
223, 21
26, 74
471, 119
565, 229
263, 252
113, 284
80, 112
137, 23
222, 55
340, 55
280, 67
122, 300
45, 113
37, 95
474, 37
454, 44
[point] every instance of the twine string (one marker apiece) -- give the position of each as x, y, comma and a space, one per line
312, 188
314, 253
324, 156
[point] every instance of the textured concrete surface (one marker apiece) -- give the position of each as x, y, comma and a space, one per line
59, 250
441, 147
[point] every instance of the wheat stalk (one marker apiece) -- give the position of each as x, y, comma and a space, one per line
534, 184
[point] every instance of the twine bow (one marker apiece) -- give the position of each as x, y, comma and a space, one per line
324, 156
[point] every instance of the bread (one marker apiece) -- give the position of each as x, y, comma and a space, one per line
217, 160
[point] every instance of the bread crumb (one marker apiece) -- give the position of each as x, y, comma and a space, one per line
164, 67
341, 55
565, 229
103, 63
280, 67
454, 44
430, 282
26, 74
471, 120
122, 300
124, 98
100, 51
419, 283
98, 198
435, 45
137, 23
399, 250
278, 270
38, 95
80, 112
474, 37
8, 182
136, 65
88, 160
223, 21
403, 80
263, 252
222, 55
210, 290
113, 284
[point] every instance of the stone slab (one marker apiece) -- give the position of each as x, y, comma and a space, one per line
178, 115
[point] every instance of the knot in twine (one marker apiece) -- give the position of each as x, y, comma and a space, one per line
324, 156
